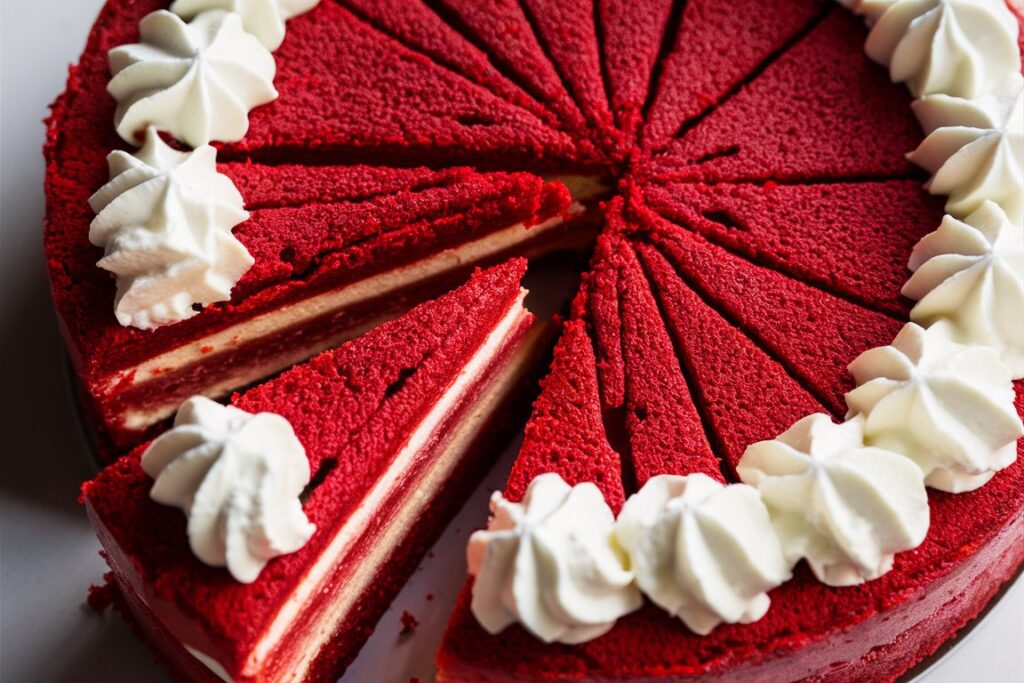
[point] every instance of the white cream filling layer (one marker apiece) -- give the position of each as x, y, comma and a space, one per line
310, 309
389, 483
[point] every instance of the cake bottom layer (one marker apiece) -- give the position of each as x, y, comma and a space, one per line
129, 407
316, 635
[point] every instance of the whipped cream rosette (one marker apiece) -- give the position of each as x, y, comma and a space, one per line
946, 406
702, 550
265, 19
964, 48
974, 152
197, 81
164, 221
970, 274
550, 564
845, 507
238, 477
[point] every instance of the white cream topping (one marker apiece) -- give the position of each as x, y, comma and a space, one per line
991, 111
262, 18
871, 10
238, 477
946, 406
164, 221
844, 506
702, 550
970, 273
551, 564
196, 81
979, 159
964, 48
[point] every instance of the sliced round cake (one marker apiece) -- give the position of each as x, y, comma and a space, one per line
779, 439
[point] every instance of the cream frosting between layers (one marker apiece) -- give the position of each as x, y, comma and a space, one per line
390, 482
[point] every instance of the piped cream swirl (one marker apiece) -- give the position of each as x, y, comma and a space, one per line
550, 564
946, 406
196, 81
703, 551
238, 477
970, 273
265, 19
976, 152
164, 221
963, 48
845, 507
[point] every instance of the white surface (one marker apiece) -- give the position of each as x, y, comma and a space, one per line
47, 551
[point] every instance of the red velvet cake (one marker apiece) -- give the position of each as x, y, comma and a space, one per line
338, 248
760, 214
681, 381
397, 426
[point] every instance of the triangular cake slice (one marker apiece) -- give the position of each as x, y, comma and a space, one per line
823, 111
348, 89
420, 28
852, 238
336, 250
781, 312
570, 33
398, 425
874, 631
631, 35
716, 47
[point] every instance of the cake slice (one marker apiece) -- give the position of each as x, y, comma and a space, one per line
347, 89
419, 27
336, 250
713, 49
631, 35
837, 236
823, 111
397, 426
739, 392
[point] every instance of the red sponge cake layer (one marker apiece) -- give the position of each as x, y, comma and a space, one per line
397, 426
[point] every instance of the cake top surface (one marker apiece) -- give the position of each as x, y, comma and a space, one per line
742, 267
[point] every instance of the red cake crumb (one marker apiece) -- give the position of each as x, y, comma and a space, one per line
409, 623
101, 596
716, 47
823, 111
744, 393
